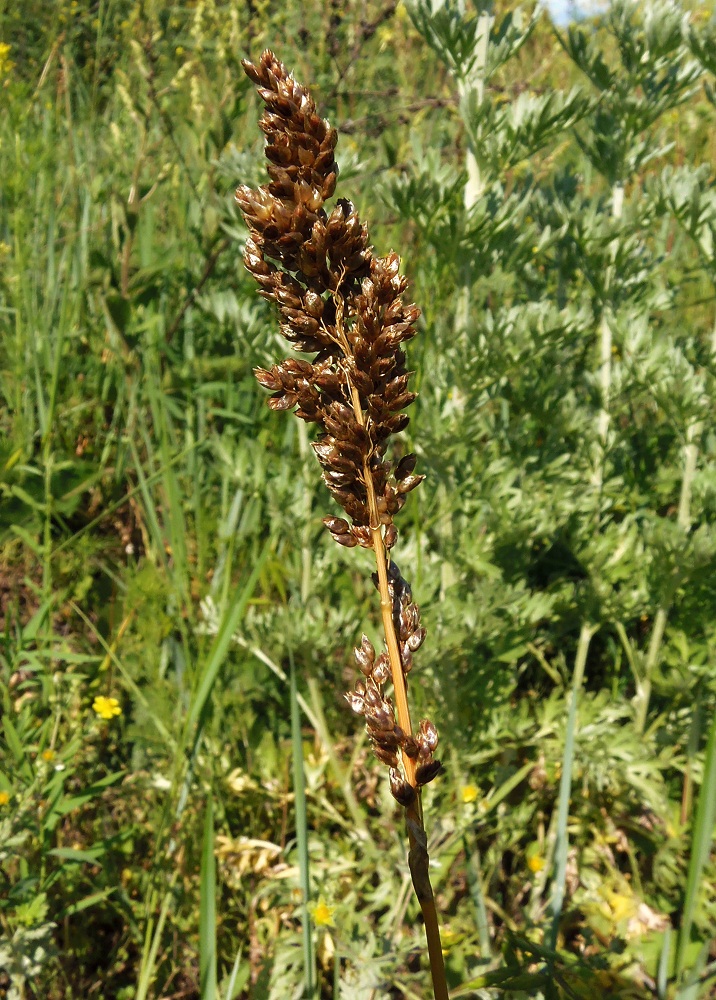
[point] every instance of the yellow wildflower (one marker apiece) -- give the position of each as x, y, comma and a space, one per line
536, 863
323, 914
448, 939
623, 905
6, 64
469, 793
4, 798
48, 755
106, 707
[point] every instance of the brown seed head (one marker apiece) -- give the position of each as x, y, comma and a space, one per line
336, 300
340, 303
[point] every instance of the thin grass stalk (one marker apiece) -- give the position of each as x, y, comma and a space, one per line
565, 786
341, 303
692, 748
231, 987
476, 81
299, 789
474, 882
662, 972
195, 720
341, 774
701, 840
152, 940
605, 363
207, 909
222, 642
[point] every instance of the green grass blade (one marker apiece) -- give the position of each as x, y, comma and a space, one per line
565, 787
299, 788
474, 881
231, 989
152, 941
341, 774
150, 509
695, 980
222, 641
702, 837
662, 972
207, 909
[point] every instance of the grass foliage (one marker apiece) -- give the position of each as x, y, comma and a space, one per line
186, 808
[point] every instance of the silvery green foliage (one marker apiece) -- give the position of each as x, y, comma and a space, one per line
653, 74
24, 956
702, 42
563, 497
689, 194
504, 135
454, 30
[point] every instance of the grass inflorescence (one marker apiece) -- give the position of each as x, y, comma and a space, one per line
340, 302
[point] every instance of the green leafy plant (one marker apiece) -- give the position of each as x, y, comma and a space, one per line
553, 191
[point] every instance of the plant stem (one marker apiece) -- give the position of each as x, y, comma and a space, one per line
475, 185
386, 611
418, 858
565, 784
605, 360
652, 658
299, 788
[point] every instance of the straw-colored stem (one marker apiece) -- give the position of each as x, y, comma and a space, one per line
386, 610
418, 855
386, 604
418, 858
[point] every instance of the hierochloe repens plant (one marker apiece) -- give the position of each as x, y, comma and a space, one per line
344, 305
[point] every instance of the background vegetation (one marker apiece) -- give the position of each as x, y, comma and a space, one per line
164, 572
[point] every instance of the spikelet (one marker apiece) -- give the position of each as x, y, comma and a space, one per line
343, 305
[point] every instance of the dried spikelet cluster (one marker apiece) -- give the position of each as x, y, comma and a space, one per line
385, 734
340, 302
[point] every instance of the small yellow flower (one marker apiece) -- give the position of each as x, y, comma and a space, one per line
448, 938
323, 914
6, 63
469, 793
623, 905
4, 798
48, 755
106, 707
536, 863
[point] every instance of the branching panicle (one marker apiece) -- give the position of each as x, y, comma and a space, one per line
342, 304
337, 300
